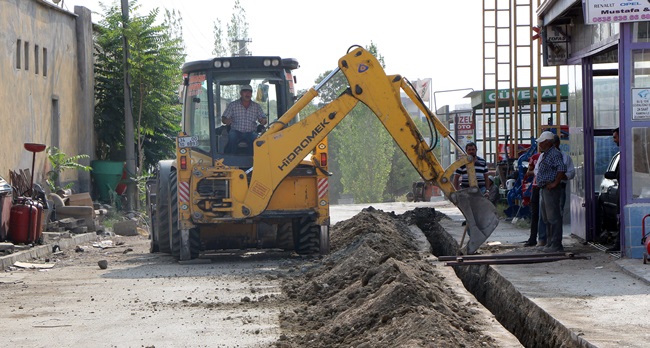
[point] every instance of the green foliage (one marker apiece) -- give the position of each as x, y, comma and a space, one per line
403, 174
238, 31
219, 49
361, 151
155, 60
366, 162
141, 181
59, 162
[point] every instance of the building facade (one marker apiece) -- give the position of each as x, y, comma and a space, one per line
605, 47
47, 92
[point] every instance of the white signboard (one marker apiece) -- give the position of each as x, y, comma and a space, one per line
188, 142
609, 11
640, 103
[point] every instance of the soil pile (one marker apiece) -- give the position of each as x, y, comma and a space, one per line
375, 289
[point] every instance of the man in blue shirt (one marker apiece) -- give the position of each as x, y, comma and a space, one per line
551, 170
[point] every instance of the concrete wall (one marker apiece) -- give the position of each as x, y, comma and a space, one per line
46, 67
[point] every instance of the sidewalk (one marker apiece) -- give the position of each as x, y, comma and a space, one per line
42, 251
603, 300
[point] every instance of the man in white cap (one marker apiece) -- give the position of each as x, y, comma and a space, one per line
551, 170
242, 115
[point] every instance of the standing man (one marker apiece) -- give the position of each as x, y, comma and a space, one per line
242, 115
534, 203
568, 175
551, 171
461, 180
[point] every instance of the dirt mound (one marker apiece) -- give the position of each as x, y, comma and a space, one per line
376, 290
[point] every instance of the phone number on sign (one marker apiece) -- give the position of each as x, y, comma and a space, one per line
620, 18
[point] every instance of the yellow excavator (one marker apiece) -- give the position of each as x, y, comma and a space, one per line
208, 198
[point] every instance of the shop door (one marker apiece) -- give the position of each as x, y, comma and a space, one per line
605, 86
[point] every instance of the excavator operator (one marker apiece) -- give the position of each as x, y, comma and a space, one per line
242, 116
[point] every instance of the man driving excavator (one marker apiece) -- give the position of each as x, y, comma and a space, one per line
242, 116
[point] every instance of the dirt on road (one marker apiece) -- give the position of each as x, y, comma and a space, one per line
379, 287
143, 299
377, 290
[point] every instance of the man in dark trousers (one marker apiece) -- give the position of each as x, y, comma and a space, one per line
550, 172
534, 204
243, 115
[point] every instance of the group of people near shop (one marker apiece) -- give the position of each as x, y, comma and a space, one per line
551, 169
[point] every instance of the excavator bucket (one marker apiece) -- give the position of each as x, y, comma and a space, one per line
480, 216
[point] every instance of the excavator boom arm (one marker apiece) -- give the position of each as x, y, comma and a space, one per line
281, 148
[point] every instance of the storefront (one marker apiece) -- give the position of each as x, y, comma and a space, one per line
605, 48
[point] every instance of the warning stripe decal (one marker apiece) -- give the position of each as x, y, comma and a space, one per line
183, 191
323, 186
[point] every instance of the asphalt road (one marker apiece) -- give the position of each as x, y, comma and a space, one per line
149, 300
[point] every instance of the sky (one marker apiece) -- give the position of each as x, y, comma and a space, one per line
418, 39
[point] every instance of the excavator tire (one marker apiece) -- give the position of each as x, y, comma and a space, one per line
161, 216
284, 239
195, 243
306, 236
154, 247
174, 232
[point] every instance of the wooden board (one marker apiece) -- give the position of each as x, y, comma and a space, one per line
80, 199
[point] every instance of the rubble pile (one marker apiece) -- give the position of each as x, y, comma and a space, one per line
376, 290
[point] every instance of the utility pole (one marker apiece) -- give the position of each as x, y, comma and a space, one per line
131, 187
241, 44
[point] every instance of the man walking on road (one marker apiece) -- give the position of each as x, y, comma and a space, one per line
551, 171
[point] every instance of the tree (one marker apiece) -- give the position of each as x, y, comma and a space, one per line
365, 160
361, 150
219, 49
156, 58
403, 174
237, 31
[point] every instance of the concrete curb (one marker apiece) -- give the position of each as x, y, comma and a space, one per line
635, 268
45, 249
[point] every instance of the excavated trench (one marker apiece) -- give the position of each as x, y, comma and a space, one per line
532, 326
379, 288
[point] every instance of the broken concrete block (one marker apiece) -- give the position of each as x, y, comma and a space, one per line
125, 228
80, 212
79, 230
7, 247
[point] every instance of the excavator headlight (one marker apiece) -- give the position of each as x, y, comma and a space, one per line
275, 62
217, 64
267, 62
226, 64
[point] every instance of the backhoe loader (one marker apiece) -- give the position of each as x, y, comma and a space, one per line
207, 199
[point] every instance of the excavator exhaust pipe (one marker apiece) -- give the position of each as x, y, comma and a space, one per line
480, 216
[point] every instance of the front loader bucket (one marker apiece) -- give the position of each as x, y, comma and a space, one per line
480, 216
